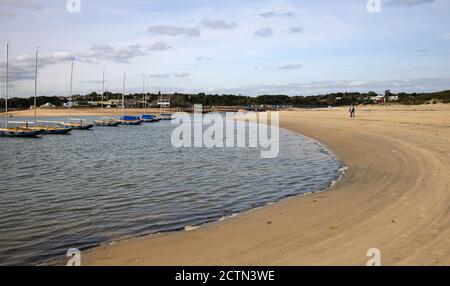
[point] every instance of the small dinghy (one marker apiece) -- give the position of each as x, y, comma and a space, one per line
166, 116
78, 126
147, 118
107, 123
130, 120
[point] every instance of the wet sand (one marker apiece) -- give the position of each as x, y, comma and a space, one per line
395, 196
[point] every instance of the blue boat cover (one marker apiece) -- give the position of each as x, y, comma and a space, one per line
129, 118
148, 116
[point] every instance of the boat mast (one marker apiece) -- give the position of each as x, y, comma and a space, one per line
145, 95
70, 94
35, 85
6, 84
103, 90
123, 95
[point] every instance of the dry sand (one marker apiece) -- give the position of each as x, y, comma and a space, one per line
395, 196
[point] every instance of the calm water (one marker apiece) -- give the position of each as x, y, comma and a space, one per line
95, 186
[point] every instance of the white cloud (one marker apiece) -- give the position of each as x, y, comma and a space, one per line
110, 53
22, 67
218, 24
159, 47
291, 67
183, 74
167, 30
160, 75
9, 7
272, 14
201, 58
264, 32
295, 30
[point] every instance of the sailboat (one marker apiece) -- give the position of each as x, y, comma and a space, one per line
74, 125
127, 120
105, 122
17, 131
147, 118
47, 130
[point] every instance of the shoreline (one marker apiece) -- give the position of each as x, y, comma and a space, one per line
394, 197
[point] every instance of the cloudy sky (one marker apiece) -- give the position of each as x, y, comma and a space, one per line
295, 47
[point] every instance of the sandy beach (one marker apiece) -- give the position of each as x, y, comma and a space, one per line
394, 196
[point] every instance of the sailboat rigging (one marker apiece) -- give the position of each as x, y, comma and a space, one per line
75, 126
108, 122
17, 131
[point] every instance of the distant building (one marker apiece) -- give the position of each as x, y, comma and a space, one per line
164, 103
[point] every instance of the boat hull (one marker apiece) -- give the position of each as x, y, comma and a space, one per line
132, 122
151, 120
79, 127
107, 123
59, 131
147, 118
19, 133
47, 130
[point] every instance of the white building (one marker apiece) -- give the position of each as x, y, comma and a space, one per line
164, 103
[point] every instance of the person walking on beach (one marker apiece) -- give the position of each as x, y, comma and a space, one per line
352, 111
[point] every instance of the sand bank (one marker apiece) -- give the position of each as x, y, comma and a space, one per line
395, 196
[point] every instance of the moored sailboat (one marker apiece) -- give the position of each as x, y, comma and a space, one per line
46, 129
16, 131
75, 125
105, 122
126, 119
147, 118
130, 120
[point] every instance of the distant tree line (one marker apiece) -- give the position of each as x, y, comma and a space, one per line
186, 100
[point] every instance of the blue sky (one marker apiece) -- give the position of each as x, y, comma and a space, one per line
253, 47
